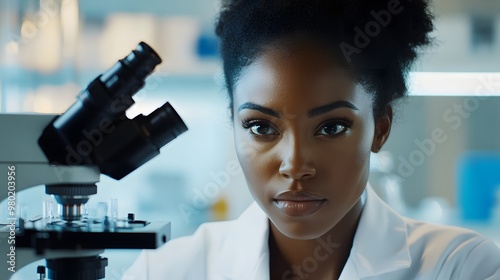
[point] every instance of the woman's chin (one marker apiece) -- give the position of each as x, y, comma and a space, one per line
300, 230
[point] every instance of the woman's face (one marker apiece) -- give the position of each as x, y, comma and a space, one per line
303, 132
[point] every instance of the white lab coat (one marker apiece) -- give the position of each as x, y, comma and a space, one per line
386, 246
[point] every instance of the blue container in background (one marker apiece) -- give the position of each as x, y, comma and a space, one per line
478, 176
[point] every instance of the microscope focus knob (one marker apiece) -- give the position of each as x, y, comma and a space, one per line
84, 268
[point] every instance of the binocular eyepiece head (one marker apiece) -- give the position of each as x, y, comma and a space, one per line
95, 129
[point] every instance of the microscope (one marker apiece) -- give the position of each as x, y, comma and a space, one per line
67, 153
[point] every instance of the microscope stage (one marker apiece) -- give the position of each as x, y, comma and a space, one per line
60, 235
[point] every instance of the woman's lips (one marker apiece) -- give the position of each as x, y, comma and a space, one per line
297, 204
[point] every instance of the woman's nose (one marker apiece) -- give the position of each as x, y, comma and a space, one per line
297, 162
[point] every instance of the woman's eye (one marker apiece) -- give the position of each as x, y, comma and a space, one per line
259, 128
262, 129
332, 129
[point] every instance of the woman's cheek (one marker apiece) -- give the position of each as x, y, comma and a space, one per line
246, 146
247, 152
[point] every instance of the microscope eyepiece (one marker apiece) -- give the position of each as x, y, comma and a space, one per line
142, 60
164, 125
127, 76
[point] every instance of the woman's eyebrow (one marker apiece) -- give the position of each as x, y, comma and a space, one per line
313, 113
327, 108
253, 106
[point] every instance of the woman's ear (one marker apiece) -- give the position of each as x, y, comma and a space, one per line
382, 129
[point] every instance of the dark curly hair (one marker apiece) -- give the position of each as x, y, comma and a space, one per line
376, 40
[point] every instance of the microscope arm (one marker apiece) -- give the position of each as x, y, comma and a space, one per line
19, 148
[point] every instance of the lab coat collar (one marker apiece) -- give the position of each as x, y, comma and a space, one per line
380, 244
381, 241
245, 255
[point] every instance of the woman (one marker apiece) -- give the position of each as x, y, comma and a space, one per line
312, 86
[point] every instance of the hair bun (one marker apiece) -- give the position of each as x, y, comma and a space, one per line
377, 39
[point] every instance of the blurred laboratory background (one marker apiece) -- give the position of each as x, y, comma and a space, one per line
441, 163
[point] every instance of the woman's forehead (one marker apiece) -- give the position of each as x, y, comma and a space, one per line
307, 64
308, 75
